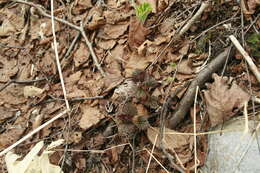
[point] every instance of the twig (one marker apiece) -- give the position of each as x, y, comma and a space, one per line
66, 60
57, 58
21, 82
94, 57
72, 45
79, 28
252, 23
32, 133
248, 59
214, 26
188, 98
70, 100
203, 6
7, 46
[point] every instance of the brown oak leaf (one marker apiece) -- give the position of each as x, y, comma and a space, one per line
137, 33
221, 99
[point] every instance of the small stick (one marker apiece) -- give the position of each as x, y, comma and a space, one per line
248, 59
32, 133
57, 58
94, 57
66, 60
21, 82
7, 46
203, 6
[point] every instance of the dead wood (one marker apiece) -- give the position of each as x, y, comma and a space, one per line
188, 98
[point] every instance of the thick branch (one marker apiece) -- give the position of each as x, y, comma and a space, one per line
188, 98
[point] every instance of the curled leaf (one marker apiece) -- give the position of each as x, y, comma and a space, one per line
221, 99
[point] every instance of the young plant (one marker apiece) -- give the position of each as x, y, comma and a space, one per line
254, 44
142, 11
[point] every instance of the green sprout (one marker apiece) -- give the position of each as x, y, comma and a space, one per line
142, 11
254, 44
173, 65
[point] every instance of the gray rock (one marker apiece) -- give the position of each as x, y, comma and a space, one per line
234, 151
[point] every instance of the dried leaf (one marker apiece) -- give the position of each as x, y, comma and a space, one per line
73, 78
10, 136
8, 68
42, 28
185, 67
5, 113
90, 116
81, 55
221, 99
126, 129
176, 143
137, 33
163, 4
32, 91
252, 4
95, 18
13, 95
47, 63
107, 44
32, 163
11, 21
74, 92
113, 16
83, 5
132, 65
115, 31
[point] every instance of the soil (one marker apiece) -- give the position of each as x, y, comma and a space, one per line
124, 79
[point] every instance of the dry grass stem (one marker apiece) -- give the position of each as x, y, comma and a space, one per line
32, 133
150, 158
248, 59
195, 130
57, 58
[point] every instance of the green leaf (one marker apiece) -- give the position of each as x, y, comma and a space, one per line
254, 44
142, 11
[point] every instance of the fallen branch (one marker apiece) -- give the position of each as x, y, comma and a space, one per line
248, 59
188, 98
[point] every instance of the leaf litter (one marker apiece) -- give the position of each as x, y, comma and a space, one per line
133, 92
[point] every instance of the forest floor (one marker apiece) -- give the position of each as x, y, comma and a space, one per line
128, 87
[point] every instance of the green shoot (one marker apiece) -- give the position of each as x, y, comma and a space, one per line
173, 65
254, 44
142, 11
